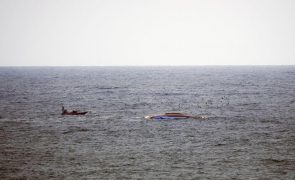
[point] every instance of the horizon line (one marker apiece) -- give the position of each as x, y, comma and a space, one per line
144, 65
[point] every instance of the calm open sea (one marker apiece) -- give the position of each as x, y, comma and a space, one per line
250, 132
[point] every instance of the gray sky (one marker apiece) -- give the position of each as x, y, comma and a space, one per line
150, 32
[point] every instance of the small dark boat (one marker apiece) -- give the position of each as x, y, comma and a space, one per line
65, 112
74, 113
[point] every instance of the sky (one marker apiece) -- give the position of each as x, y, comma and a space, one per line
146, 32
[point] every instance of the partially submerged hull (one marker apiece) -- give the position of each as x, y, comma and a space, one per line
174, 116
162, 117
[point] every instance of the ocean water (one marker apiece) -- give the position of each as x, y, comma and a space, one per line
250, 132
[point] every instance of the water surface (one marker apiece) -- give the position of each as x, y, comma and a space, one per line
249, 134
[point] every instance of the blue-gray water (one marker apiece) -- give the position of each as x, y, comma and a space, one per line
250, 132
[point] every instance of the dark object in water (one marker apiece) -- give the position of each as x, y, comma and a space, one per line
65, 112
172, 116
74, 113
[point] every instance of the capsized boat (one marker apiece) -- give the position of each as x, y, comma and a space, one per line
174, 116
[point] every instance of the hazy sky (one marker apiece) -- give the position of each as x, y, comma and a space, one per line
150, 32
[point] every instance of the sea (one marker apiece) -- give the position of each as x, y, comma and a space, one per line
249, 132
